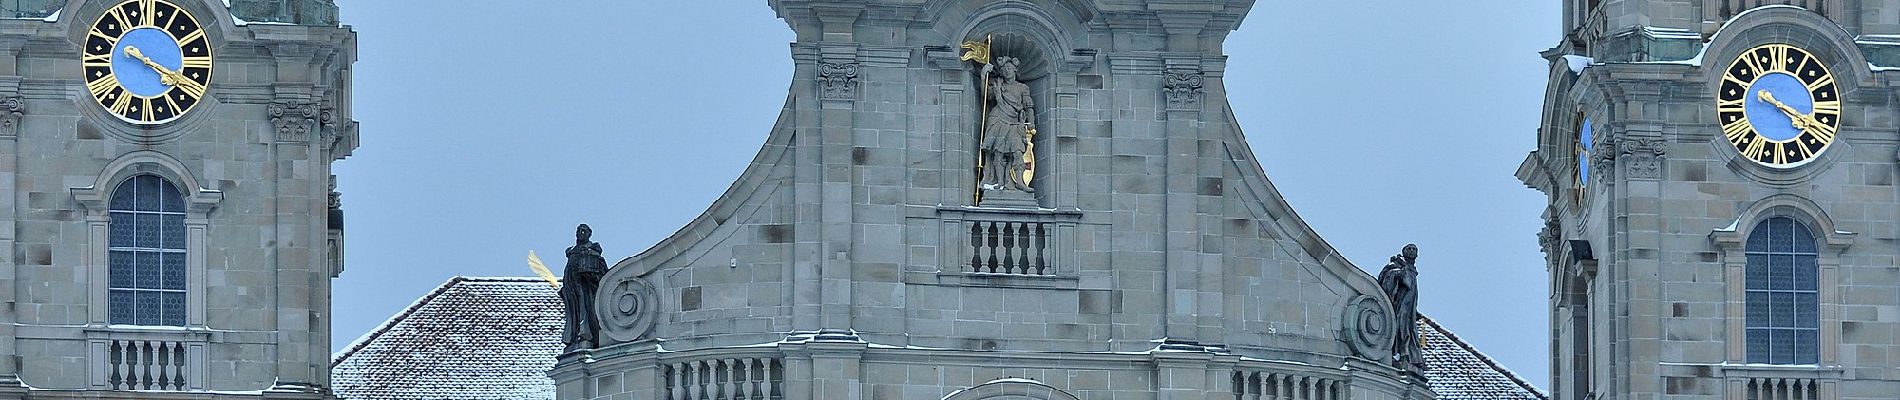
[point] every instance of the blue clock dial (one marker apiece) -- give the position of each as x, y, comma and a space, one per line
1778, 105
156, 45
147, 61
1585, 140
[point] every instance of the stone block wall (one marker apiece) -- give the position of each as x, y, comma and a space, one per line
258, 275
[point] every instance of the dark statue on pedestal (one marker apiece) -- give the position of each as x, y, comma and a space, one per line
1399, 281
580, 280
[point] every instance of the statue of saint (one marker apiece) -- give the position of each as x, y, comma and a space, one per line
1008, 127
580, 280
1399, 280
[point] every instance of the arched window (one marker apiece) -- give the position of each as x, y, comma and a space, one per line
1783, 294
146, 245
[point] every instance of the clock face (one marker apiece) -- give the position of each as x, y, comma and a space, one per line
147, 61
1585, 138
1778, 105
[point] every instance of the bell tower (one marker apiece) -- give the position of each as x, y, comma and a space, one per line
1722, 201
167, 215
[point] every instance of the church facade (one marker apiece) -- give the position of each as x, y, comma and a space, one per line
971, 199
1722, 204
168, 227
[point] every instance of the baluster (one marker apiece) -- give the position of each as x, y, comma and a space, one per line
976, 247
1042, 247
1286, 387
150, 356
164, 365
132, 377
181, 365
677, 389
732, 378
112, 364
1255, 390
770, 386
749, 389
1010, 263
991, 238
1022, 245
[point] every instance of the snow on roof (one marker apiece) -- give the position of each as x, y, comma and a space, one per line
471, 338
1457, 371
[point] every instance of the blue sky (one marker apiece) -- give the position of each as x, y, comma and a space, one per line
492, 128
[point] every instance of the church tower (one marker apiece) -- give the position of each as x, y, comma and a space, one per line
168, 225
1722, 215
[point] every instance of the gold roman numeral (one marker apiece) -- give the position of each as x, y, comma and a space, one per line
169, 19
1819, 82
1756, 145
196, 62
100, 86
146, 8
1753, 59
1832, 106
146, 114
123, 103
1780, 153
173, 105
192, 88
1824, 133
118, 16
97, 60
1777, 58
1736, 105
189, 37
109, 39
1736, 131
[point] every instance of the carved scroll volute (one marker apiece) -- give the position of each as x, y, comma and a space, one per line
296, 121
11, 108
840, 80
628, 307
1183, 90
1369, 327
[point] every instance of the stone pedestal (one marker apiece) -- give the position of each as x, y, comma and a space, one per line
1008, 198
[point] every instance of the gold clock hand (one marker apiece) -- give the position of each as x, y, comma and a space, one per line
167, 76
1804, 122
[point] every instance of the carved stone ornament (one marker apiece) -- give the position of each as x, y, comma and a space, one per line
11, 107
840, 80
629, 307
297, 120
1183, 90
1369, 327
1548, 238
1642, 157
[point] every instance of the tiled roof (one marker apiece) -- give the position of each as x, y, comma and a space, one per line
1456, 371
496, 338
471, 338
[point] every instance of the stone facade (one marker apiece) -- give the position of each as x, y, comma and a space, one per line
253, 162
854, 260
1646, 253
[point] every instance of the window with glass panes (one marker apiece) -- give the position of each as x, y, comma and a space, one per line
146, 242
1783, 293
